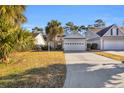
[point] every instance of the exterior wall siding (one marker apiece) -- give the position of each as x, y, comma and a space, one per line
113, 43
39, 40
95, 40
114, 29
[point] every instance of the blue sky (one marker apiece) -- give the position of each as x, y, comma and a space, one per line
80, 15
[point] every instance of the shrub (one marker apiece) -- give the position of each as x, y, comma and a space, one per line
38, 47
94, 46
59, 47
25, 40
45, 47
88, 46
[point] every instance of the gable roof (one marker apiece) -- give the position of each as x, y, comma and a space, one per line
103, 31
74, 35
35, 34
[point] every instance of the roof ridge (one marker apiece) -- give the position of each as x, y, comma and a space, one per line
74, 35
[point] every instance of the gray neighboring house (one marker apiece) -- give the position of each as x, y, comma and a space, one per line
109, 38
58, 41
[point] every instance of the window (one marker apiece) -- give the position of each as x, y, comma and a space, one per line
111, 32
117, 31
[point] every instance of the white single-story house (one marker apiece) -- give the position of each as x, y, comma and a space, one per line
74, 42
39, 39
109, 38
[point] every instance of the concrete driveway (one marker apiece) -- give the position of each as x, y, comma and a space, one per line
88, 70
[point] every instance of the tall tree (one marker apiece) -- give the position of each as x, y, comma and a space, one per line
90, 27
99, 23
52, 29
71, 27
11, 18
37, 29
13, 14
82, 27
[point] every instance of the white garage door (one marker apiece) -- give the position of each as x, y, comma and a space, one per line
72, 45
113, 45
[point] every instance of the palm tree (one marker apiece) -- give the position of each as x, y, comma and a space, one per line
13, 14
24, 40
52, 29
7, 41
11, 18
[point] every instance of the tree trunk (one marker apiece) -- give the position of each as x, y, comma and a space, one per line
48, 46
54, 43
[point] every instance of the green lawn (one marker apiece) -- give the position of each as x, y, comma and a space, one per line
34, 69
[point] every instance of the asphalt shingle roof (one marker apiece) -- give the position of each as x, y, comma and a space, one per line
103, 31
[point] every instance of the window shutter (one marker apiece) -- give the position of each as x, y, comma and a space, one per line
117, 31
111, 32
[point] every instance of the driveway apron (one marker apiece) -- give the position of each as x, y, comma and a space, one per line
88, 70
